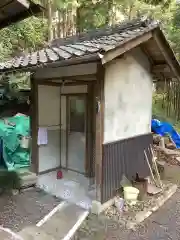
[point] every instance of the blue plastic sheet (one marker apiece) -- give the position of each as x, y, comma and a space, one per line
164, 128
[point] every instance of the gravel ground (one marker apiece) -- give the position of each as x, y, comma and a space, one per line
29, 207
162, 225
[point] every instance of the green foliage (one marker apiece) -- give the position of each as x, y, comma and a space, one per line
159, 111
28, 35
32, 33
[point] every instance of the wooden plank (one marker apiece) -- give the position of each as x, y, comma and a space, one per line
149, 165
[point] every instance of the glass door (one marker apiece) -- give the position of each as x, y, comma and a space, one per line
63, 129
76, 133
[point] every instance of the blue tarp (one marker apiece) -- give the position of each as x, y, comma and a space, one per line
163, 128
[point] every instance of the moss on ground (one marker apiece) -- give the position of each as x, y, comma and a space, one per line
9, 180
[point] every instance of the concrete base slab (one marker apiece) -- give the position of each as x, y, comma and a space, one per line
98, 208
61, 223
35, 233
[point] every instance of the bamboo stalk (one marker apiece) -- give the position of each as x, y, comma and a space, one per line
156, 168
147, 160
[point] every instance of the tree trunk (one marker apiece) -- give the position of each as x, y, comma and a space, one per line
78, 20
59, 24
130, 11
50, 32
109, 11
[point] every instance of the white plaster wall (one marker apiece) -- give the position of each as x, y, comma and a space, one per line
49, 105
128, 97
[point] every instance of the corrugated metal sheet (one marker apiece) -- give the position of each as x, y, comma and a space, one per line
123, 157
101, 40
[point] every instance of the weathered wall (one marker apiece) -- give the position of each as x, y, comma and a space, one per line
128, 96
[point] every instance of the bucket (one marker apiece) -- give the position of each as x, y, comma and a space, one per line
131, 194
25, 142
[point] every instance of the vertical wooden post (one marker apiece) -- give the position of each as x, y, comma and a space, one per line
89, 131
34, 126
99, 95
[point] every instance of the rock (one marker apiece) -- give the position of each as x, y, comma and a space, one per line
167, 155
156, 139
153, 190
15, 192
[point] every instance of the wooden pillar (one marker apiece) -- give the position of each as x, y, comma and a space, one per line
89, 132
34, 126
99, 135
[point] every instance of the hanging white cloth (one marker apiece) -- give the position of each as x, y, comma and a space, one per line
42, 136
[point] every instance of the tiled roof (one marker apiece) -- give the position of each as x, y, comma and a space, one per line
97, 41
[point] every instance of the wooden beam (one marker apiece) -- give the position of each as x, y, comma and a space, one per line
161, 68
86, 77
83, 69
34, 126
126, 46
167, 52
99, 136
145, 51
50, 83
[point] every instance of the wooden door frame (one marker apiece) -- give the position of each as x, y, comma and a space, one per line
34, 166
89, 155
99, 138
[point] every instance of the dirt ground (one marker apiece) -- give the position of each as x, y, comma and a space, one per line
162, 225
27, 208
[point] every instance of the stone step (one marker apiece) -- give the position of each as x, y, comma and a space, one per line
65, 221
27, 179
34, 233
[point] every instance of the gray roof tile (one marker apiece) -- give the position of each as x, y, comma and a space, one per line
99, 40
